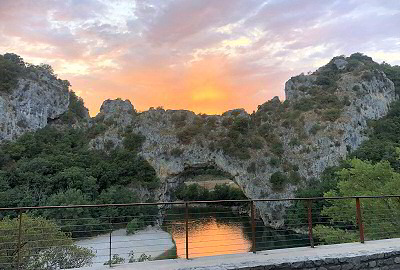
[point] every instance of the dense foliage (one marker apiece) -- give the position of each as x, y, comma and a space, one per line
195, 192
76, 109
380, 216
53, 167
13, 67
43, 246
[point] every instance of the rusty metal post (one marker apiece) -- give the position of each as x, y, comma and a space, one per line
19, 239
310, 231
110, 261
359, 220
187, 229
253, 227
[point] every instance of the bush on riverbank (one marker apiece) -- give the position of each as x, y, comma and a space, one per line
195, 192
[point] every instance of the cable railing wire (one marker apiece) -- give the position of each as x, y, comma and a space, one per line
181, 221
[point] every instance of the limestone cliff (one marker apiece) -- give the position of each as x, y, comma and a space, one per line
36, 97
272, 152
269, 154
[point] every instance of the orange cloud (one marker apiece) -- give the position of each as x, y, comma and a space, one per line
207, 86
169, 55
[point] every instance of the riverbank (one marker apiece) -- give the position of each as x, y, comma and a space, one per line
152, 241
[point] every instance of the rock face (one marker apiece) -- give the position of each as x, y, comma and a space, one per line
320, 122
269, 154
31, 105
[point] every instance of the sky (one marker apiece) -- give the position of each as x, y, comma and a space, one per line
207, 56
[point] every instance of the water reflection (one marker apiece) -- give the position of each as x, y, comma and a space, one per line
217, 231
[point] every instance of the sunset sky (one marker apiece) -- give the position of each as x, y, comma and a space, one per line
203, 55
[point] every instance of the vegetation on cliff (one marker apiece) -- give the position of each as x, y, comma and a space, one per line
56, 167
195, 192
13, 67
372, 169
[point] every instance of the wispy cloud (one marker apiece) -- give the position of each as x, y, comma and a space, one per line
203, 55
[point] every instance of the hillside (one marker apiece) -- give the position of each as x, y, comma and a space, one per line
271, 153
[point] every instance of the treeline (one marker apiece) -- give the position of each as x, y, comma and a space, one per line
56, 167
13, 67
195, 192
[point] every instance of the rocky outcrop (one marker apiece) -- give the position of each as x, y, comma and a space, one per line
308, 139
269, 154
31, 104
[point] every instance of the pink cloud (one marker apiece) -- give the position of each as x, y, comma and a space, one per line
159, 53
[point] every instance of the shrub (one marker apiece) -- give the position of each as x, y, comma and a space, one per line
192, 192
305, 104
211, 122
274, 162
264, 129
256, 143
227, 121
116, 259
294, 177
331, 114
241, 124
179, 119
294, 142
303, 88
324, 80
135, 225
186, 135
278, 181
367, 76
96, 130
133, 142
315, 128
277, 148
226, 192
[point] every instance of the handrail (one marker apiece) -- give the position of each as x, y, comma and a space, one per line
252, 204
194, 202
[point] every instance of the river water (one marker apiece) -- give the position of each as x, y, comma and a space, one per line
217, 231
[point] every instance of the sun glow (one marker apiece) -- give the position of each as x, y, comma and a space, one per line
207, 93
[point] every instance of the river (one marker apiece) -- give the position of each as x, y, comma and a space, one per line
217, 231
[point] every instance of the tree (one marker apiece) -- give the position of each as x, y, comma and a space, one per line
11, 67
77, 221
43, 246
278, 181
380, 216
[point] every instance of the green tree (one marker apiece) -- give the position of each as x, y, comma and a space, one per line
78, 221
278, 181
380, 216
43, 246
11, 67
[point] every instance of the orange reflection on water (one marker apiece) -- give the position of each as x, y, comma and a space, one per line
208, 238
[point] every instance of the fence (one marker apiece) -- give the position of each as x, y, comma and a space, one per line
109, 234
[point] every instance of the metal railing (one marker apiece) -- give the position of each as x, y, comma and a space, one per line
184, 229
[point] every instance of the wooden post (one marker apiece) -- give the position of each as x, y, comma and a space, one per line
253, 228
19, 239
310, 231
187, 229
110, 252
359, 220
